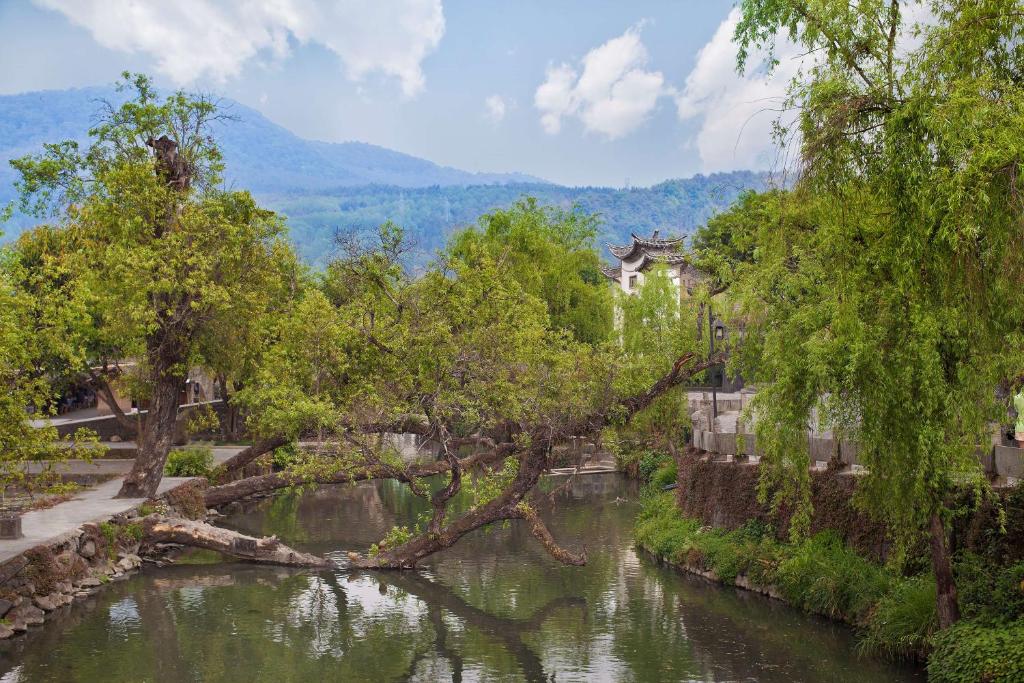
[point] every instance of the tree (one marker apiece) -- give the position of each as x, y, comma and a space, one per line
463, 355
656, 327
161, 269
25, 385
886, 297
551, 255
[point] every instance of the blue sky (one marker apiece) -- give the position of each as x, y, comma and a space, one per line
575, 91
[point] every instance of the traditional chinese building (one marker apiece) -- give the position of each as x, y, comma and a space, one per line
642, 253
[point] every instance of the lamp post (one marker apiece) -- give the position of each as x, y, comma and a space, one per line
711, 352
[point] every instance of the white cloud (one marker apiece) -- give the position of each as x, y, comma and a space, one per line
496, 108
613, 94
736, 112
191, 39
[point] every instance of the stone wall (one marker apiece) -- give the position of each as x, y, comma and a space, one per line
48, 577
723, 493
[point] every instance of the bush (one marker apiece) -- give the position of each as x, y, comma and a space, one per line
650, 462
826, 577
903, 621
992, 595
194, 461
662, 530
970, 652
664, 475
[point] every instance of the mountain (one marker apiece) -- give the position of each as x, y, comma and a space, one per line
322, 187
260, 155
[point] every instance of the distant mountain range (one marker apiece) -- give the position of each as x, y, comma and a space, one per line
323, 187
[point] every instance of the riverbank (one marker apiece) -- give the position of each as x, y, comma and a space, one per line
894, 615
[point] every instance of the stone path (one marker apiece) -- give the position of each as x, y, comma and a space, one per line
92, 505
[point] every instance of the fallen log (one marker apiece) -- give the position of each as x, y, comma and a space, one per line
268, 550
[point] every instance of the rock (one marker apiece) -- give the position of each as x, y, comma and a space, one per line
125, 563
29, 614
115, 439
5, 632
19, 626
45, 602
90, 582
66, 599
88, 548
5, 607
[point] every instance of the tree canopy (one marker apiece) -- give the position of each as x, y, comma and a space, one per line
883, 293
151, 267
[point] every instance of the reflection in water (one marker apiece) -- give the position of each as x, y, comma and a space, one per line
493, 608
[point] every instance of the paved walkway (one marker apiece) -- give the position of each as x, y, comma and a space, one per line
92, 505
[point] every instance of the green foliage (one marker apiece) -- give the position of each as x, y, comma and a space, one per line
145, 262
989, 593
285, 456
819, 574
903, 621
970, 652
883, 290
396, 536
551, 254
825, 577
664, 475
193, 461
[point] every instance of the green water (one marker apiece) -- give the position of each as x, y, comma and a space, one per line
494, 608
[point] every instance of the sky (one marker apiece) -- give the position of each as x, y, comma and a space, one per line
579, 92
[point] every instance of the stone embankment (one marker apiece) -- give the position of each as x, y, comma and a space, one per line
74, 562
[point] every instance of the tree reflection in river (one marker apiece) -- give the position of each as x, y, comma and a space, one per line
495, 607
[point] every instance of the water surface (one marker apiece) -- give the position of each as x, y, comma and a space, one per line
493, 608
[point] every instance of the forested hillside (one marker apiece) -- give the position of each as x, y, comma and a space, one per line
430, 214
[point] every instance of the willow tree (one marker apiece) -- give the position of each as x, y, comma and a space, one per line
550, 252
156, 267
463, 355
886, 297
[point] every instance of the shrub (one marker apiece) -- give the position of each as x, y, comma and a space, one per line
662, 530
992, 595
664, 475
903, 621
650, 461
970, 652
826, 577
194, 461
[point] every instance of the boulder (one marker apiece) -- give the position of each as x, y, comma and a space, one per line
90, 582
45, 602
5, 607
125, 564
28, 614
5, 631
88, 548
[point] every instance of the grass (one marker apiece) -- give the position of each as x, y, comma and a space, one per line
819, 575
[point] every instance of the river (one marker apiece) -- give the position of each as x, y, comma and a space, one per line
493, 608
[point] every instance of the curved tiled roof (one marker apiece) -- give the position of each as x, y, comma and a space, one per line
613, 273
645, 244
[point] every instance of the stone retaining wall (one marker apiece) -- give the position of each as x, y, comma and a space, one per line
48, 577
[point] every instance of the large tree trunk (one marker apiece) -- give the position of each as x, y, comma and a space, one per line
258, 448
156, 436
947, 603
159, 529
